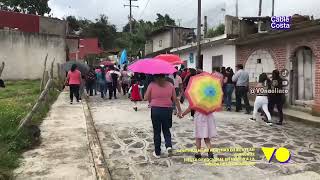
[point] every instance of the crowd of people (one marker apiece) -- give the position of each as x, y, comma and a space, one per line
165, 93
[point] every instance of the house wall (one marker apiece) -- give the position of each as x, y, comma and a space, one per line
165, 37
227, 51
24, 53
52, 26
282, 51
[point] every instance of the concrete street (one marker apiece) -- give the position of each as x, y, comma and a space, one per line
127, 141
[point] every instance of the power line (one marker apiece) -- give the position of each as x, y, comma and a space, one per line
144, 9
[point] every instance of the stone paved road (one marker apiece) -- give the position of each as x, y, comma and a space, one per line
127, 140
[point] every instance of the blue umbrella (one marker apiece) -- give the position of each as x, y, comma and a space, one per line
123, 57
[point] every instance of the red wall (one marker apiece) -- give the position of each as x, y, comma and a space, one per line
24, 22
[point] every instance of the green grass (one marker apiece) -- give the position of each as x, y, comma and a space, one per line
16, 100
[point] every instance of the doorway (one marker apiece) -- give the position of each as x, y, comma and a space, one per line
303, 77
200, 63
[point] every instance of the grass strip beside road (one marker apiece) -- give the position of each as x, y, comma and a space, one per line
16, 100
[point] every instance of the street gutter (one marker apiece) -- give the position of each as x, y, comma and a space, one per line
100, 165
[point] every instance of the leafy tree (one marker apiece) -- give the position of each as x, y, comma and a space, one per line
100, 28
164, 21
37, 7
74, 24
215, 32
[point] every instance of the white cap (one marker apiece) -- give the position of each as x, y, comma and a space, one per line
102, 65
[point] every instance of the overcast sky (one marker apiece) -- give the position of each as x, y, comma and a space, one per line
184, 11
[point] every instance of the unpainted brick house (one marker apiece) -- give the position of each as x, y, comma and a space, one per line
261, 49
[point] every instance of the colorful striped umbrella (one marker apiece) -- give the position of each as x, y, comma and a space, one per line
204, 93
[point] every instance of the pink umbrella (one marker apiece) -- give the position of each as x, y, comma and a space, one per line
170, 58
152, 66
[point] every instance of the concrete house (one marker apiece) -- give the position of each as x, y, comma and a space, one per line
26, 39
215, 52
162, 40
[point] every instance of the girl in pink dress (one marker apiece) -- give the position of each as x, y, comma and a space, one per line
205, 128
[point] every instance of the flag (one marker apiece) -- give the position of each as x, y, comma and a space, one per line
123, 57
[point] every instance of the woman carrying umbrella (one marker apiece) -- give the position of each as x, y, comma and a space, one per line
160, 94
74, 81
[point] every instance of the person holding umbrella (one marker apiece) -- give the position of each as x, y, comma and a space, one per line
204, 94
74, 81
160, 94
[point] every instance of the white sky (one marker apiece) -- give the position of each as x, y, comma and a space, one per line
185, 10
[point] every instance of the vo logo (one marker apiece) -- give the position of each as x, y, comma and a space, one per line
282, 154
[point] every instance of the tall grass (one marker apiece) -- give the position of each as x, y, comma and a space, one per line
16, 100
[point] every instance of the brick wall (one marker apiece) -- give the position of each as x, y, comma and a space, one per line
282, 50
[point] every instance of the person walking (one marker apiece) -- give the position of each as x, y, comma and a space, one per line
193, 72
262, 98
241, 78
229, 87
74, 81
160, 95
135, 93
101, 78
178, 85
115, 75
277, 99
125, 80
90, 81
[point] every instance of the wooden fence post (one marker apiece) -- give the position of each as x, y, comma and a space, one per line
41, 98
43, 74
1, 68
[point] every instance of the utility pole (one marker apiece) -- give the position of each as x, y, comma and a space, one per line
205, 28
130, 15
199, 33
237, 8
272, 7
260, 7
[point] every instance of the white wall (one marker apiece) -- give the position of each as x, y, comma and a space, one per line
24, 53
254, 69
227, 51
166, 41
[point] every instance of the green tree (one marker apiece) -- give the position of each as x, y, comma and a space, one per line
164, 21
102, 29
37, 7
213, 32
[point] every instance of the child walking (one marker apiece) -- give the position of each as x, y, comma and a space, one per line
205, 128
135, 93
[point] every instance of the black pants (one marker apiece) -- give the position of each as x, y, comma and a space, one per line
90, 87
112, 87
242, 93
276, 101
74, 91
161, 118
125, 88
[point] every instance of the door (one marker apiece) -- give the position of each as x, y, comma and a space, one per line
200, 63
217, 61
303, 76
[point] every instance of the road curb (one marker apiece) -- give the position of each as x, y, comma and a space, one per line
100, 165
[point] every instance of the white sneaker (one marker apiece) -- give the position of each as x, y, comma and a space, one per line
269, 123
156, 156
169, 150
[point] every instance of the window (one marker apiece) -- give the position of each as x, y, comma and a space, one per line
258, 61
160, 43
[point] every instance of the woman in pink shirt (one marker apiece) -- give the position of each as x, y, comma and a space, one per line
74, 81
160, 95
